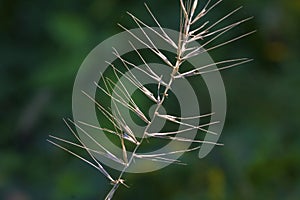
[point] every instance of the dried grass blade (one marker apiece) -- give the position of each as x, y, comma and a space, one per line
228, 27
138, 85
136, 82
165, 160
109, 131
107, 154
93, 139
199, 28
180, 131
125, 104
197, 70
100, 168
123, 124
146, 64
153, 49
180, 139
173, 119
106, 113
205, 11
166, 36
184, 9
134, 108
230, 41
152, 75
201, 49
166, 153
226, 67
76, 145
223, 18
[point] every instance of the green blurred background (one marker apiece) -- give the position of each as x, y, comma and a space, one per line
42, 45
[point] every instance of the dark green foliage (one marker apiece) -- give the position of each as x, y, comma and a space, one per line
42, 45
